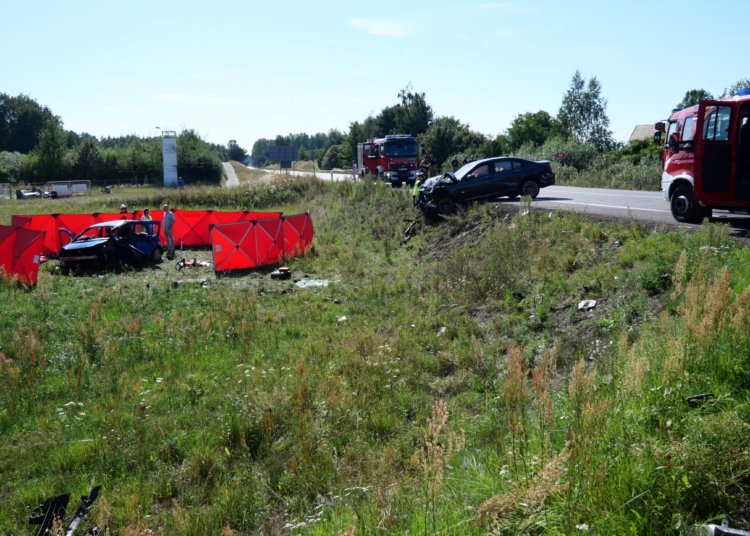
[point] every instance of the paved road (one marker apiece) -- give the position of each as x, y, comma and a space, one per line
639, 206
232, 180
323, 175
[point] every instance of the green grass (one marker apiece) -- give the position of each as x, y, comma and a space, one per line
252, 405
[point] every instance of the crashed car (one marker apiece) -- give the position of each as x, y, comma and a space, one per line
485, 179
107, 244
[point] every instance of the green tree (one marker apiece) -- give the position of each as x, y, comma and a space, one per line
533, 128
260, 152
447, 136
583, 113
87, 160
22, 121
733, 89
12, 163
235, 152
330, 159
412, 115
195, 161
500, 146
303, 154
692, 97
51, 152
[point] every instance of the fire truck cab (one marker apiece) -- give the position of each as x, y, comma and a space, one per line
394, 158
707, 158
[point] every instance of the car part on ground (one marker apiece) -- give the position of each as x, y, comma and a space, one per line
53, 510
195, 263
484, 179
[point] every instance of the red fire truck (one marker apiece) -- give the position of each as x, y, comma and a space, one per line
394, 158
707, 157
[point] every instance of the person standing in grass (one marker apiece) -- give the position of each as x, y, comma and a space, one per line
415, 191
354, 170
180, 183
433, 166
146, 215
167, 223
123, 209
454, 164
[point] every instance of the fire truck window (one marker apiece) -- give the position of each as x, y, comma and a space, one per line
672, 128
687, 130
716, 127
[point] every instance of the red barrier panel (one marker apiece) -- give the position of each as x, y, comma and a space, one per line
20, 250
298, 234
233, 245
7, 244
255, 243
269, 241
190, 225
44, 222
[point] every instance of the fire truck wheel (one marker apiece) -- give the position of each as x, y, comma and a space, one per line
684, 208
445, 206
396, 184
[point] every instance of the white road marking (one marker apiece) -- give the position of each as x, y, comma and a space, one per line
605, 206
656, 196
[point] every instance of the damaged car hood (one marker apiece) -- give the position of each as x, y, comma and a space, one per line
84, 244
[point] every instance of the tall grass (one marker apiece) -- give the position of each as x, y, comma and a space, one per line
449, 386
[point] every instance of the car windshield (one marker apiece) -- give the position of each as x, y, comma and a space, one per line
401, 149
461, 173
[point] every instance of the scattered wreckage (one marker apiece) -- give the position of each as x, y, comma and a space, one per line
108, 244
52, 512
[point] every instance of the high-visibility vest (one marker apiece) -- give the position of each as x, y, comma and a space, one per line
415, 192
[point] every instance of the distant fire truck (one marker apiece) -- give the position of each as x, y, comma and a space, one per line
707, 157
394, 158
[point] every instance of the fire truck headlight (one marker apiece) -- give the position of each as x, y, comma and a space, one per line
388, 176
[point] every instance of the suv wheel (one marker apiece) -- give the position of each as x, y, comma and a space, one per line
445, 206
530, 188
156, 254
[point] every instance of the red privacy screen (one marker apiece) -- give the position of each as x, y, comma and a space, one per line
192, 226
20, 250
254, 243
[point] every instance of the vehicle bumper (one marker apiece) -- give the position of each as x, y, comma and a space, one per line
547, 181
407, 176
80, 258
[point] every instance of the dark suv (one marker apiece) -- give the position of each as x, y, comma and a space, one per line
485, 179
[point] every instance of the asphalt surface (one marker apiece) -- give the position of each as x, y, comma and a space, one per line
232, 180
644, 207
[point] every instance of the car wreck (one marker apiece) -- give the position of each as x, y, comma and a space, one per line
484, 179
109, 244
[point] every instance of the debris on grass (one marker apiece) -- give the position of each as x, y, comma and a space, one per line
312, 283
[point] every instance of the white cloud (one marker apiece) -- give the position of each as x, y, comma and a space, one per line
390, 28
203, 100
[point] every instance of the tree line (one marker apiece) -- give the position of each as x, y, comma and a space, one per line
36, 148
580, 129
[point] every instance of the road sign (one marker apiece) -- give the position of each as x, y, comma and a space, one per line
560, 155
283, 153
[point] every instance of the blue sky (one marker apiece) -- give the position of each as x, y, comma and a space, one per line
244, 70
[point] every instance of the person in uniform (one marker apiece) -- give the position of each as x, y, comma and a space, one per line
433, 166
454, 164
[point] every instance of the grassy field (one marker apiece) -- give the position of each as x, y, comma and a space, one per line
447, 386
